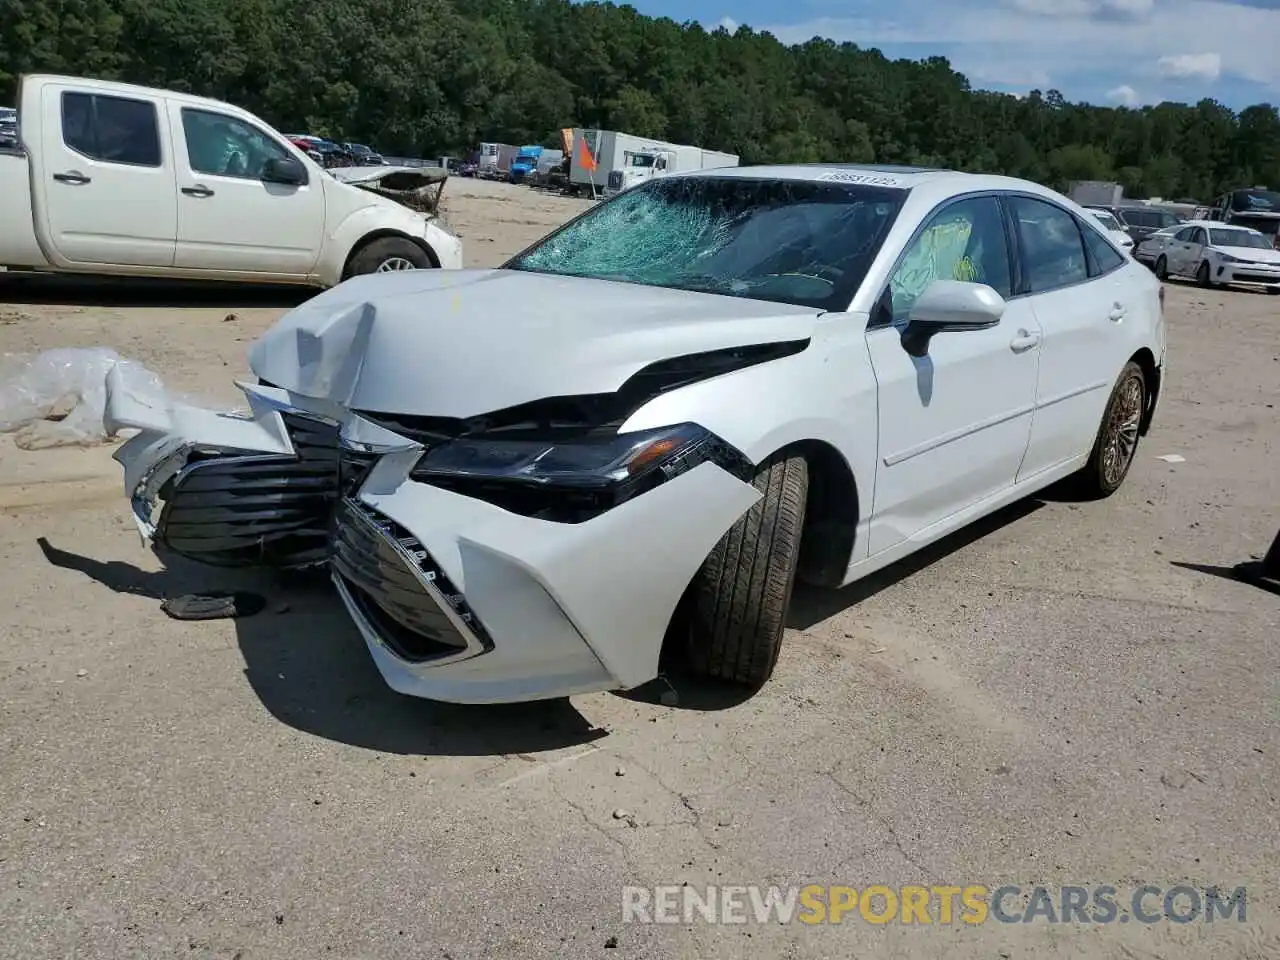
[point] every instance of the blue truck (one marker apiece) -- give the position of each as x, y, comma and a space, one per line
525, 163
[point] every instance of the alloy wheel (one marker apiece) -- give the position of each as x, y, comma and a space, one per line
395, 263
1122, 431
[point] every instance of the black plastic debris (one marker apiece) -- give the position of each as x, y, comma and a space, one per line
220, 605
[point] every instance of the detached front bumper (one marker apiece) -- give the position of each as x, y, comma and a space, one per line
457, 599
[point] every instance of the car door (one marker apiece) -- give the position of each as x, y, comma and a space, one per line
1194, 252
1070, 276
229, 218
953, 424
105, 183
1178, 250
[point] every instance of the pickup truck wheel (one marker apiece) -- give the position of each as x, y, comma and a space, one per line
387, 255
1117, 441
741, 594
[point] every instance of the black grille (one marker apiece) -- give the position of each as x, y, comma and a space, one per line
615, 180
399, 587
1245, 276
236, 510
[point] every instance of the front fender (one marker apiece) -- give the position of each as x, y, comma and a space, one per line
346, 234
826, 393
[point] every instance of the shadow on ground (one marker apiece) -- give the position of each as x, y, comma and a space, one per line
310, 668
811, 605
1250, 574
124, 292
679, 689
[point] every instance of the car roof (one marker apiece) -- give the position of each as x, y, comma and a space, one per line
939, 182
1217, 225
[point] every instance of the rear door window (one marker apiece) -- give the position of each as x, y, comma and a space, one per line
111, 129
1103, 255
1050, 244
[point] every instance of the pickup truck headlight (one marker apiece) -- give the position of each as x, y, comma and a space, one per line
572, 479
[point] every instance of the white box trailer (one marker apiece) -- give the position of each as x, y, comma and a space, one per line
495, 160
623, 160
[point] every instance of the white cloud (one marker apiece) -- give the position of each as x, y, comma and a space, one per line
1121, 40
729, 24
1124, 95
1191, 66
1114, 9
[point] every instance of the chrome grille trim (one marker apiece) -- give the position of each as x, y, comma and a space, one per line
376, 561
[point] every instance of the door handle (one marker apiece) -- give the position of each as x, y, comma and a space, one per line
199, 190
71, 176
1023, 341
1117, 313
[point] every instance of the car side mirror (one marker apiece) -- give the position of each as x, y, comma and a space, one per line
287, 170
950, 306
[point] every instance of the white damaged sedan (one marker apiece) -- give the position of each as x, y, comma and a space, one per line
645, 427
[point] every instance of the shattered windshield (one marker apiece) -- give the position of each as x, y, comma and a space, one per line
802, 242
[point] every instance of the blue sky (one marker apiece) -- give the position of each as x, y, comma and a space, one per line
1129, 52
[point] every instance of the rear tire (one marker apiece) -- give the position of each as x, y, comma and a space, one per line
1116, 445
388, 255
741, 595
1162, 268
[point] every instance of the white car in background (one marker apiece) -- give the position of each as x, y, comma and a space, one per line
645, 427
1119, 235
1147, 251
1215, 254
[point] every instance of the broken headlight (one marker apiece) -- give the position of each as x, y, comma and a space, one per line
573, 479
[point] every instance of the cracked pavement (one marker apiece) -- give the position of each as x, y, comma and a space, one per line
1065, 694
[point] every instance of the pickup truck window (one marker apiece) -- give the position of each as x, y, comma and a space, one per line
111, 129
224, 146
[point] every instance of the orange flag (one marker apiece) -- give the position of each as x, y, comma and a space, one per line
585, 159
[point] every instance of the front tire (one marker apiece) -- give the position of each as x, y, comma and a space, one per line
388, 255
741, 594
1116, 445
1162, 268
1202, 275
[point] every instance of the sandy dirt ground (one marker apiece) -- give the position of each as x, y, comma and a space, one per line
1067, 694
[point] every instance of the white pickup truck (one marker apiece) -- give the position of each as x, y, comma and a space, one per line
114, 179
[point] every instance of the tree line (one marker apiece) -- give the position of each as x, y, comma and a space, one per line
432, 77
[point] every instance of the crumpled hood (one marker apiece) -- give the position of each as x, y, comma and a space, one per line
459, 343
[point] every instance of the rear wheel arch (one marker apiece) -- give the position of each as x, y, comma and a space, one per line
1145, 359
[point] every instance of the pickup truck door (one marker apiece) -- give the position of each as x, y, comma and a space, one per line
104, 189
955, 423
229, 219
